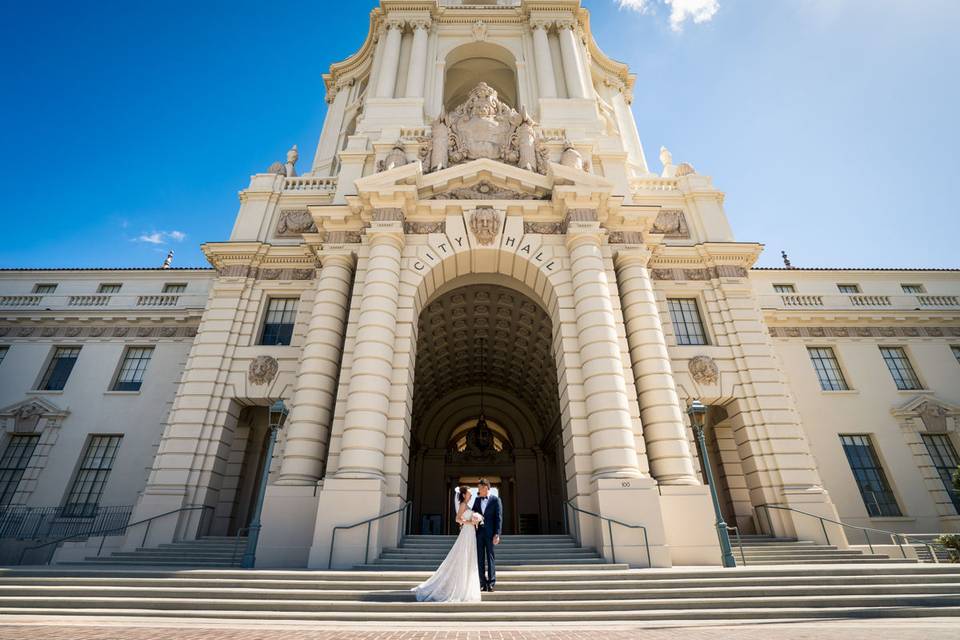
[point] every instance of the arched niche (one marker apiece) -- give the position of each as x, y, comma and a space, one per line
470, 64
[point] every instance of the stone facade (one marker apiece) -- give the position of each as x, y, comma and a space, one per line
458, 245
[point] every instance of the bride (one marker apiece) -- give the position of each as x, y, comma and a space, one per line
458, 578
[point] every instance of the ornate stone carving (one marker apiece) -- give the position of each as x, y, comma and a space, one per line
485, 127
396, 158
672, 224
287, 168
573, 158
48, 332
704, 370
293, 222
262, 370
685, 169
343, 237
285, 274
933, 415
545, 228
388, 215
424, 227
72, 332
706, 273
625, 237
485, 190
479, 31
485, 224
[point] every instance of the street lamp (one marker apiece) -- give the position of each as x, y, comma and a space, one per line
278, 414
697, 411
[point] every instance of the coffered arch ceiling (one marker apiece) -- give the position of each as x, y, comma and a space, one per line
491, 334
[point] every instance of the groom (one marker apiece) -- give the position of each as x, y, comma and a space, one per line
488, 534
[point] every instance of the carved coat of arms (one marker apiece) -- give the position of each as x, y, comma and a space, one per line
485, 224
485, 127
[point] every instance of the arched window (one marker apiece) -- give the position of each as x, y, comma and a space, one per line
470, 64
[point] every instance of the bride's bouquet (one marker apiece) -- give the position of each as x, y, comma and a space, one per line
477, 519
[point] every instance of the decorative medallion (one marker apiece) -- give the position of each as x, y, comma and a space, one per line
485, 224
704, 370
294, 222
263, 369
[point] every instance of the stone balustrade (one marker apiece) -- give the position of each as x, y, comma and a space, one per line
20, 301
653, 184
310, 183
88, 301
102, 301
859, 301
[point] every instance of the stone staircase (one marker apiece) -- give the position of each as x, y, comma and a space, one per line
209, 551
593, 594
760, 550
555, 552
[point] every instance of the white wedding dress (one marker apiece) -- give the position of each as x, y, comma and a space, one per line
458, 578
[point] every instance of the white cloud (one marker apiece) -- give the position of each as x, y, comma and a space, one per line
681, 11
161, 237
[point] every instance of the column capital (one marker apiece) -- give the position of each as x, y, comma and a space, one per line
394, 23
639, 256
566, 23
341, 258
423, 22
541, 23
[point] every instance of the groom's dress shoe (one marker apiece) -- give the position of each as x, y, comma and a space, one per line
490, 588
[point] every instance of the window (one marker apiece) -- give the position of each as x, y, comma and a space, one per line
278, 324
955, 349
913, 288
871, 480
14, 462
44, 288
784, 288
900, 368
109, 288
686, 321
59, 368
4, 348
945, 460
174, 287
88, 485
849, 288
828, 369
134, 365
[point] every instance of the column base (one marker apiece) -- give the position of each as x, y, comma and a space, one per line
289, 517
345, 501
690, 524
633, 501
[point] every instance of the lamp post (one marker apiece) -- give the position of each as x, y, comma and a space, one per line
697, 411
278, 414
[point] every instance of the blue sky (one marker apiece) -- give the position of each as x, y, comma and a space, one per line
129, 127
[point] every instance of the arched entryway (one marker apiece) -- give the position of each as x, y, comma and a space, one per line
485, 350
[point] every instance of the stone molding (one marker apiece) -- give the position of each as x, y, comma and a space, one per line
543, 228
486, 190
705, 273
103, 332
388, 214
343, 237
625, 237
864, 332
266, 273
424, 227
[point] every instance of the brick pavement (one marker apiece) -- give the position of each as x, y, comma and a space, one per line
924, 629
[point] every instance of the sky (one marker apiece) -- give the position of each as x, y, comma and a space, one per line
129, 127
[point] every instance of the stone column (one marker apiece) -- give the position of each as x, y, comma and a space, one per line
387, 81
542, 58
664, 429
368, 396
308, 431
418, 59
614, 451
571, 60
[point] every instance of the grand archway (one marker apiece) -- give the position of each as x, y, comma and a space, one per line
486, 344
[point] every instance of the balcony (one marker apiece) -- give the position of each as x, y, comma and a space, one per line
921, 302
102, 302
310, 184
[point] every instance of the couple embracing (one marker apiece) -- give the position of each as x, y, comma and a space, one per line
471, 565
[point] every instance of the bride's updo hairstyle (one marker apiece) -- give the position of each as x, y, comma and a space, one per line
463, 493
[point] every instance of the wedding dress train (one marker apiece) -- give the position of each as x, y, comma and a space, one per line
458, 578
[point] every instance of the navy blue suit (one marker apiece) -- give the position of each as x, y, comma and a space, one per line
492, 524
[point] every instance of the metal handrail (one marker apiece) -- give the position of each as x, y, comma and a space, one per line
896, 538
736, 531
610, 522
369, 522
236, 544
103, 532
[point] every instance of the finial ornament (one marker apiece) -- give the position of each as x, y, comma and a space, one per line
168, 260
786, 260
666, 159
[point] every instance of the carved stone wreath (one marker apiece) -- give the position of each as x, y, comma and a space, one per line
704, 370
262, 370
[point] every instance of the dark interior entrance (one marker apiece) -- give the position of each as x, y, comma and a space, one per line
485, 350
